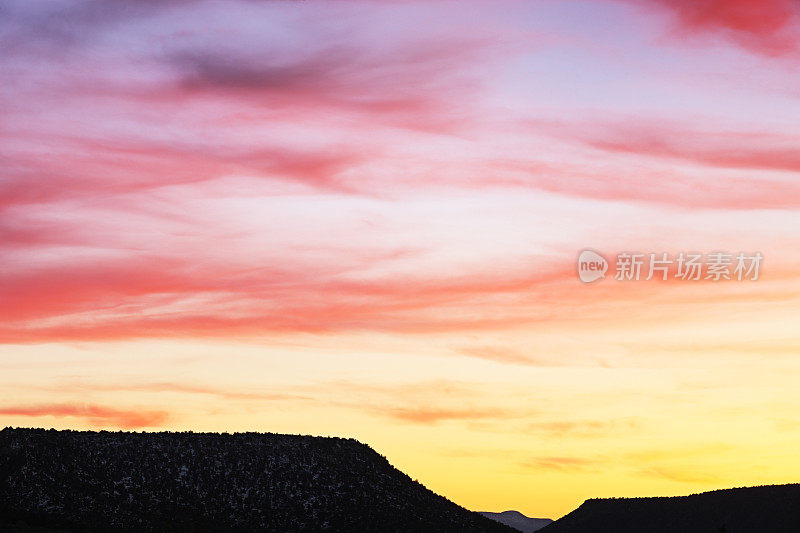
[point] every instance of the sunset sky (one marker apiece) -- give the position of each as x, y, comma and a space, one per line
362, 219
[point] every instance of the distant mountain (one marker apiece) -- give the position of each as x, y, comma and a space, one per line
518, 520
105, 481
770, 508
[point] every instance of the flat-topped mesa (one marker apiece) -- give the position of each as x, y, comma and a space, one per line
213, 482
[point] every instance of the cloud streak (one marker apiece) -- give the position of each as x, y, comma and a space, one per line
97, 415
561, 463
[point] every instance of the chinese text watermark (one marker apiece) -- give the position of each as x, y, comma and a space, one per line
684, 266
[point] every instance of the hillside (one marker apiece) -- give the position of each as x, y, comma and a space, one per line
518, 520
772, 508
71, 480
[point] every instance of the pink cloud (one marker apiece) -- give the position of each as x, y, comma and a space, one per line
722, 148
150, 156
673, 158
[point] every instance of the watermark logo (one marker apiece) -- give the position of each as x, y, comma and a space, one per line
685, 266
591, 266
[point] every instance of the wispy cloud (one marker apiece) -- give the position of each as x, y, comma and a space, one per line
175, 387
432, 415
561, 463
684, 474
503, 354
96, 415
574, 429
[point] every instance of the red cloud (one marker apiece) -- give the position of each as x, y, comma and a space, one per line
764, 26
115, 302
94, 414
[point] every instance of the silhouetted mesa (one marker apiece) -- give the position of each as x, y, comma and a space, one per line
769, 508
70, 480
518, 521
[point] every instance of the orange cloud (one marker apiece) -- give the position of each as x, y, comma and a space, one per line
94, 414
684, 474
584, 428
560, 463
502, 354
429, 415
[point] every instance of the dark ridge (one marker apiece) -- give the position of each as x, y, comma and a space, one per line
768, 508
182, 481
518, 521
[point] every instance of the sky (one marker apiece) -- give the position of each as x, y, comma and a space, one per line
362, 219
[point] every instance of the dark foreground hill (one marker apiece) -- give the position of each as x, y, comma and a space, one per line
771, 508
518, 520
101, 481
